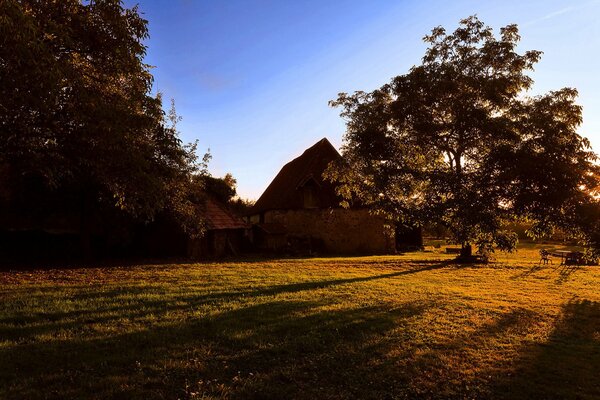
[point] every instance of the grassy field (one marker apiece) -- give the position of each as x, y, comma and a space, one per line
410, 326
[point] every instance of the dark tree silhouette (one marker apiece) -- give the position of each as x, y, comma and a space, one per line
456, 141
77, 121
223, 189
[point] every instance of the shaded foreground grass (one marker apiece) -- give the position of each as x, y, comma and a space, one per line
372, 328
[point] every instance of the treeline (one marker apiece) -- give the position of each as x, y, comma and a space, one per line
85, 148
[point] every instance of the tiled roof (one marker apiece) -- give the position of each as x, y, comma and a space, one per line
218, 217
285, 191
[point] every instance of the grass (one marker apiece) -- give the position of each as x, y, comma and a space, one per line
334, 328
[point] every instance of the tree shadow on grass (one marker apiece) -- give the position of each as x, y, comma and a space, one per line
58, 365
322, 284
288, 348
464, 366
273, 350
23, 327
564, 366
267, 350
567, 365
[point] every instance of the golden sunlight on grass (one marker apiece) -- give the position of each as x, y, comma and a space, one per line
405, 326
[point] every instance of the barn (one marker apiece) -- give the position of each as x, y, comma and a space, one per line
301, 210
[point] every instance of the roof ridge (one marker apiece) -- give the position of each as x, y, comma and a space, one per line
281, 192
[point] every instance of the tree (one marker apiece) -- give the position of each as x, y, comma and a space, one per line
77, 120
456, 141
241, 206
223, 189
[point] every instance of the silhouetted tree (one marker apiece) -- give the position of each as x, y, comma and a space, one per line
223, 189
456, 141
241, 206
76, 116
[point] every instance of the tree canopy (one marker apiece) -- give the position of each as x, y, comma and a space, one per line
223, 189
77, 117
81, 136
458, 141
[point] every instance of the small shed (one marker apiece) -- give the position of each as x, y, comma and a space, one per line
226, 233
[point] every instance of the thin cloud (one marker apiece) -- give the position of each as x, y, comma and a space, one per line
560, 12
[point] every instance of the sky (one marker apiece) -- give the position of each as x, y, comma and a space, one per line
252, 78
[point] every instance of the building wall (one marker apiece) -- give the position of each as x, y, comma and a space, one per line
216, 243
270, 242
341, 230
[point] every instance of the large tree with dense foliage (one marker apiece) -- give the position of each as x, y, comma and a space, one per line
457, 141
77, 119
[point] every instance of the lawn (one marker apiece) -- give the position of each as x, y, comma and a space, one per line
333, 328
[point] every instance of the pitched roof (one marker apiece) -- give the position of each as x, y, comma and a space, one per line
285, 191
218, 217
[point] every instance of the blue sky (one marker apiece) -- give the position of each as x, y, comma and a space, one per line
252, 78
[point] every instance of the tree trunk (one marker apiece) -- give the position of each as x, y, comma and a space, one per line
466, 252
85, 228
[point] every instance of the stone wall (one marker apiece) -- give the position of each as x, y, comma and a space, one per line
342, 231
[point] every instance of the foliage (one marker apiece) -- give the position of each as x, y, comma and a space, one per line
77, 120
404, 327
223, 189
456, 141
241, 206
588, 232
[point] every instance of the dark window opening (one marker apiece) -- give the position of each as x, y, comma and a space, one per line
311, 196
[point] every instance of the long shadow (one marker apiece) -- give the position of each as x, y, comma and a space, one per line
30, 361
533, 270
16, 327
280, 349
455, 369
565, 272
567, 365
283, 348
297, 287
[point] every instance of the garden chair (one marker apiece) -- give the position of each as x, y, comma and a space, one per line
545, 257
